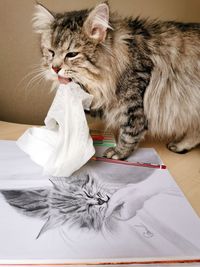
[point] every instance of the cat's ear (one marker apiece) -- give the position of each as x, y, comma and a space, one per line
97, 23
52, 222
42, 19
31, 203
86, 180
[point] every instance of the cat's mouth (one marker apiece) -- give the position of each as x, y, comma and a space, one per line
64, 80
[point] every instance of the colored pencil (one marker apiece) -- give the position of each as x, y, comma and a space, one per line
135, 164
101, 138
105, 144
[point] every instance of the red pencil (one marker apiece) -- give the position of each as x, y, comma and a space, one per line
100, 138
124, 162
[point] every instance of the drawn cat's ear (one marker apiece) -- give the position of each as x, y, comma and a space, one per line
51, 223
42, 19
97, 23
86, 180
31, 203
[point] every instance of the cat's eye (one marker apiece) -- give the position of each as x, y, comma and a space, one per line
71, 54
51, 52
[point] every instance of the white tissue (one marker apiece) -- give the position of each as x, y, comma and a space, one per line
64, 144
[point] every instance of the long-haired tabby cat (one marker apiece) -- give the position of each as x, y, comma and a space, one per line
144, 75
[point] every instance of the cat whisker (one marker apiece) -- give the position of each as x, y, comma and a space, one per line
36, 65
62, 181
38, 77
104, 232
35, 71
101, 187
39, 81
65, 237
59, 181
33, 85
34, 78
54, 86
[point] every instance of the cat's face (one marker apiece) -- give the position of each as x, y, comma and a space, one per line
84, 202
80, 202
71, 43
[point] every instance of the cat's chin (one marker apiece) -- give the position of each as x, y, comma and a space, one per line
63, 80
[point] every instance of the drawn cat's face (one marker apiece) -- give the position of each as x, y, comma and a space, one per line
80, 201
69, 43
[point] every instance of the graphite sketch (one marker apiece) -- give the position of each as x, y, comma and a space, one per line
76, 200
95, 213
83, 202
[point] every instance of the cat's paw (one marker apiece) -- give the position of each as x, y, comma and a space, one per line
175, 147
114, 153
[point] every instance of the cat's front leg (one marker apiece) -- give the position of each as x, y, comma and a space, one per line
131, 131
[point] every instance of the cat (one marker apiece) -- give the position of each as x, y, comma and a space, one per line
78, 200
144, 74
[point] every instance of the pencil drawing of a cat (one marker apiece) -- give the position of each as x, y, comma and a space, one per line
144, 75
79, 201
88, 203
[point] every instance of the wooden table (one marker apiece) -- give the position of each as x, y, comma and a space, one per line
184, 168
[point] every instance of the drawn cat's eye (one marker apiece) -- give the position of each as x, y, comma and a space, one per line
71, 54
88, 195
99, 194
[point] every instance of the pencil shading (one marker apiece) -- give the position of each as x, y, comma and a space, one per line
104, 211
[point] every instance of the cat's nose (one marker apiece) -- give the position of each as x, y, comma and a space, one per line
101, 201
56, 69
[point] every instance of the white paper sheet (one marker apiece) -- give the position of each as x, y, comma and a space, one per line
66, 220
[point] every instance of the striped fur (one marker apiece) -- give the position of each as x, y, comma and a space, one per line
144, 75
